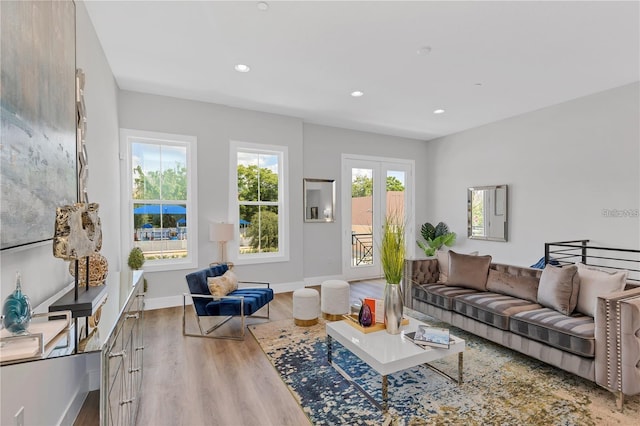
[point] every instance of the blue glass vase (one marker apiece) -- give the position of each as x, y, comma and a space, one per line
16, 311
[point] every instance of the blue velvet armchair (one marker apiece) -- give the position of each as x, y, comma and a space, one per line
248, 299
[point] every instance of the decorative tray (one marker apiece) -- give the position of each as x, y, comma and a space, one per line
353, 321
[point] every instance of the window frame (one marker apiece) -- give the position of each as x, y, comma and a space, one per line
283, 206
129, 136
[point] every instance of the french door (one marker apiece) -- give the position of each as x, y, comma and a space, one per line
372, 187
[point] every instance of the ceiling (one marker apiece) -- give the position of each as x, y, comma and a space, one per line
479, 61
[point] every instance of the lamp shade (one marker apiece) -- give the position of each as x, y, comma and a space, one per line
220, 231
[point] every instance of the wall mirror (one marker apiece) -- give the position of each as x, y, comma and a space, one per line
319, 200
487, 213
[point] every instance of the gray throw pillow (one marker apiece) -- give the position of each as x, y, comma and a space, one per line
443, 263
559, 288
468, 271
522, 287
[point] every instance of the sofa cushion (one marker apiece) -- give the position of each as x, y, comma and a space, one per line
254, 299
558, 288
573, 334
439, 295
597, 282
443, 263
492, 308
518, 282
223, 285
468, 271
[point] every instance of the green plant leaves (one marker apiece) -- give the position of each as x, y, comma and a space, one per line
392, 248
441, 229
428, 231
435, 237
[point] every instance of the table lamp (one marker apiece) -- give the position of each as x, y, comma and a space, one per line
221, 233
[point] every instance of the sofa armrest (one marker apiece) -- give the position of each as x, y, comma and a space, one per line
422, 271
617, 336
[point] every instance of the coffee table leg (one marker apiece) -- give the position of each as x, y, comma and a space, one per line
460, 367
329, 348
385, 393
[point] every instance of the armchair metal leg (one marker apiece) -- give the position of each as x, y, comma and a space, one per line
207, 333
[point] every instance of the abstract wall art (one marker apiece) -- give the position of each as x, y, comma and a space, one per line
38, 118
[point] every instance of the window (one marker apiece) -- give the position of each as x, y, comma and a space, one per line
160, 214
257, 194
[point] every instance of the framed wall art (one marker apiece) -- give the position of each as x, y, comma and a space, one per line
38, 149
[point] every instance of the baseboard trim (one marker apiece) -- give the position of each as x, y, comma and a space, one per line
316, 281
75, 405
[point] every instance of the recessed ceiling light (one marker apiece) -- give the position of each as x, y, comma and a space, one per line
357, 93
438, 111
242, 68
263, 6
424, 50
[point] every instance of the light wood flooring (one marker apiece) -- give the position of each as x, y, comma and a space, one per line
194, 381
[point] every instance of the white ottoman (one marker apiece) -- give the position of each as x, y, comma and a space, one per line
335, 298
306, 303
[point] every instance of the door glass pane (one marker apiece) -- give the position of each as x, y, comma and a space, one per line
362, 217
395, 193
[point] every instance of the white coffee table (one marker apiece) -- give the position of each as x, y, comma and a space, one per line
388, 353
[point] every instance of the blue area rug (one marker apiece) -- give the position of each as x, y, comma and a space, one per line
500, 387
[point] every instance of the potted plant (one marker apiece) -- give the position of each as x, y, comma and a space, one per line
136, 260
392, 254
435, 237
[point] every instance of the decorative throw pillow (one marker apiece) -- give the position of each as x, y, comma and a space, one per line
468, 271
596, 282
443, 263
520, 286
558, 288
223, 285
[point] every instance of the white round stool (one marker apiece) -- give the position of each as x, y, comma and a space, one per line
335, 297
305, 307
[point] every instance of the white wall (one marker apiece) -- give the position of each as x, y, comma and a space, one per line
563, 164
215, 126
51, 391
323, 147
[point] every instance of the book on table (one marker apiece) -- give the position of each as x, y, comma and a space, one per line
434, 337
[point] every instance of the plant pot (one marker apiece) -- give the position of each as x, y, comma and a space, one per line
393, 308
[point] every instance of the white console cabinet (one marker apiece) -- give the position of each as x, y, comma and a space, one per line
122, 356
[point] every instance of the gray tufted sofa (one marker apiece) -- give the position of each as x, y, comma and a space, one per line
604, 349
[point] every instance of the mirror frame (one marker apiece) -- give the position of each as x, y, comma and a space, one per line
503, 210
323, 193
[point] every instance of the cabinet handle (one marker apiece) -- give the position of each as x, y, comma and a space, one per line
129, 316
140, 295
122, 353
127, 401
134, 370
140, 348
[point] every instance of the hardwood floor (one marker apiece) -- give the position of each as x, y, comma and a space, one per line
193, 381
